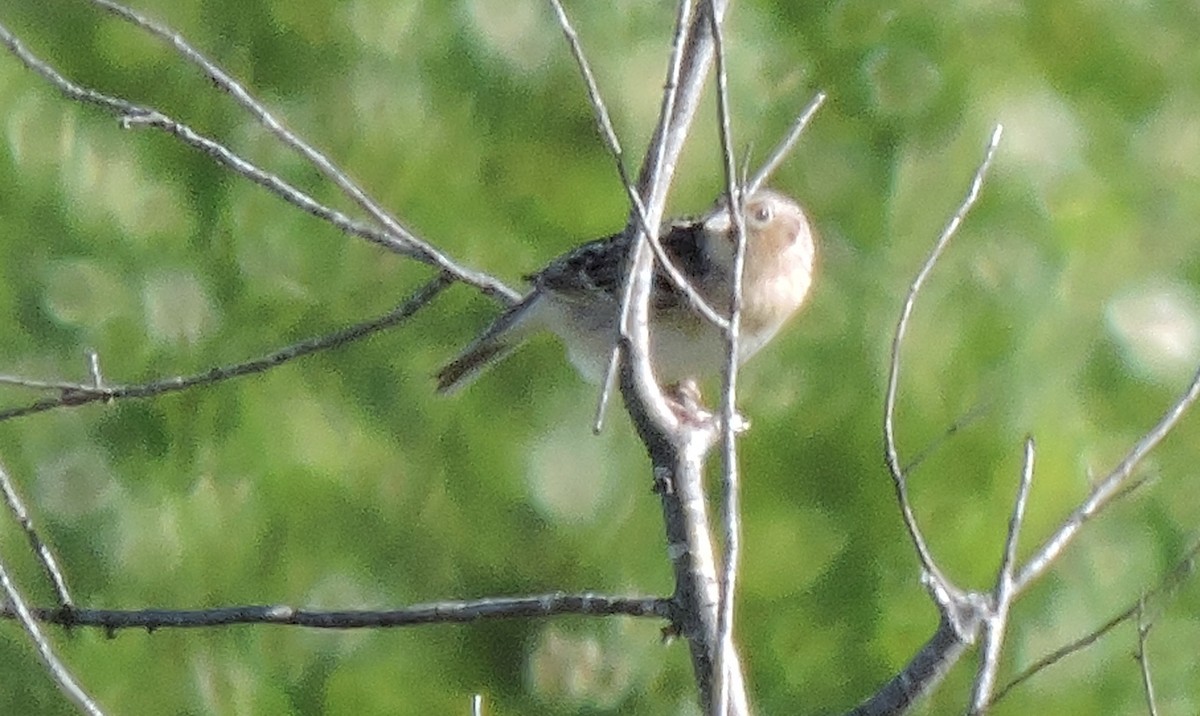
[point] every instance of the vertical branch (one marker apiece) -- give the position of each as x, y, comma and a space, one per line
1143, 630
730, 485
638, 210
677, 451
996, 624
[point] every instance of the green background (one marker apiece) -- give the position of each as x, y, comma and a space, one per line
1065, 310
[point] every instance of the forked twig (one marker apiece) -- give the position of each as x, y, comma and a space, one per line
899, 479
962, 613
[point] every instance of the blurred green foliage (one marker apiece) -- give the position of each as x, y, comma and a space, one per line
1066, 310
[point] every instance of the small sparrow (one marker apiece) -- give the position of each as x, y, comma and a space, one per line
578, 295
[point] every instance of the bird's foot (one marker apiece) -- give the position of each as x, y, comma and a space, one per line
684, 399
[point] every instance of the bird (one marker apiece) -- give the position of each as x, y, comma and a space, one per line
578, 295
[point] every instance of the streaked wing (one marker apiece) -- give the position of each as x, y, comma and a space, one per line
594, 267
597, 267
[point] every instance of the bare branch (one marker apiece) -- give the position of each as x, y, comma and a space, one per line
396, 238
1181, 571
1143, 659
924, 671
83, 394
654, 181
331, 171
15, 605
44, 557
763, 175
448, 612
676, 449
899, 479
730, 485
962, 613
996, 624
35, 384
1107, 489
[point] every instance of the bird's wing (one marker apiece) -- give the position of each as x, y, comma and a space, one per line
593, 268
598, 267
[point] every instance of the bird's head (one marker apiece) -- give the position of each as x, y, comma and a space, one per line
779, 240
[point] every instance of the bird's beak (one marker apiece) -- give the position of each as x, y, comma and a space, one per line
719, 223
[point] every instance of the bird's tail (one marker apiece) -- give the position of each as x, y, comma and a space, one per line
505, 334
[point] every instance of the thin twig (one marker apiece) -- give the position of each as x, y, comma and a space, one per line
396, 239
223, 81
996, 624
15, 605
899, 479
1182, 569
44, 557
1143, 659
1107, 489
960, 424
730, 485
93, 369
83, 394
448, 612
34, 384
763, 175
94, 378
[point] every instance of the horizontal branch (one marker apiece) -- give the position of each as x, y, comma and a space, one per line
451, 612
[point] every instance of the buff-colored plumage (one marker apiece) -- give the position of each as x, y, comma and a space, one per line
577, 296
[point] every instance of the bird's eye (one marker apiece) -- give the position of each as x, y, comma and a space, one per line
761, 213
